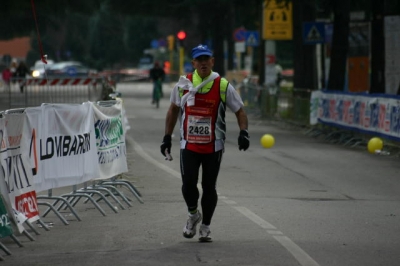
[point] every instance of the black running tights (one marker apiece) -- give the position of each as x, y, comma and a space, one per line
190, 166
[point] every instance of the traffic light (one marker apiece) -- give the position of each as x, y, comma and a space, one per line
170, 40
181, 35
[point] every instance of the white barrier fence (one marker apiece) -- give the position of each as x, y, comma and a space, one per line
59, 145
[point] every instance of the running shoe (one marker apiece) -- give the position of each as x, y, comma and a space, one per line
205, 233
189, 231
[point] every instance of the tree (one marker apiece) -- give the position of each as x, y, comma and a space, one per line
340, 45
304, 55
377, 48
20, 19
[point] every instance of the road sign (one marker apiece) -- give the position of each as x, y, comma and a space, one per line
328, 32
162, 43
252, 38
277, 20
239, 34
240, 47
154, 43
313, 32
188, 68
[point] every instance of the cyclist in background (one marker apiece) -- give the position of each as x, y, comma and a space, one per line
157, 76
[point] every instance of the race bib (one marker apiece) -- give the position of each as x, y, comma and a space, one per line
198, 129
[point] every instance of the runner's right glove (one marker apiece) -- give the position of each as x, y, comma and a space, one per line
243, 140
166, 145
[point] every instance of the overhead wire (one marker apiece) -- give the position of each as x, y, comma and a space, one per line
43, 57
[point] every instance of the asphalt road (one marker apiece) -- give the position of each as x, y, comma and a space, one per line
303, 202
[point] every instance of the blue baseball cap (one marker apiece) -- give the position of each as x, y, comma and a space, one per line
201, 50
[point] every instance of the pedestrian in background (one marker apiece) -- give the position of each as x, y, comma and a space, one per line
21, 72
199, 99
6, 75
278, 69
13, 66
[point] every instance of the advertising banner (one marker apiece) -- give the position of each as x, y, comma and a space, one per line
17, 183
5, 224
61, 144
110, 139
363, 112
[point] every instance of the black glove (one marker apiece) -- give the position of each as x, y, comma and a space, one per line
166, 145
243, 140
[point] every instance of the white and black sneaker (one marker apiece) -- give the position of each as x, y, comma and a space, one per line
205, 233
189, 231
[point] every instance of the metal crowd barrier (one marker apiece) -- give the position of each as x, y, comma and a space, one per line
289, 104
34, 92
101, 188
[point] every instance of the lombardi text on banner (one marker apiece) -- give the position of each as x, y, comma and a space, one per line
61, 144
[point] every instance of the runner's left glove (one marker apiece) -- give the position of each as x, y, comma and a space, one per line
166, 145
243, 140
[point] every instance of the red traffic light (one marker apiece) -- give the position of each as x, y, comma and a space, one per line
181, 35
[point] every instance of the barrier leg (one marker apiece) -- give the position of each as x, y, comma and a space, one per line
90, 198
5, 249
74, 200
91, 191
28, 235
108, 193
64, 202
128, 183
118, 193
129, 186
32, 228
43, 225
51, 207
16, 240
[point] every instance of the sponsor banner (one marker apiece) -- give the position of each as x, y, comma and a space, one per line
315, 96
127, 126
110, 139
363, 112
5, 224
5, 205
61, 144
15, 166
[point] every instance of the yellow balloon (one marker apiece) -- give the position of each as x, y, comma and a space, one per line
375, 144
267, 141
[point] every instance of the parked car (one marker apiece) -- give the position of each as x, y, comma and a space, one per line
69, 69
37, 71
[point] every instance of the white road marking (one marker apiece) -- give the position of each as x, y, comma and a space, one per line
299, 254
254, 217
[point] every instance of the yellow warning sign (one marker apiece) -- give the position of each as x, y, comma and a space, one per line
277, 20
